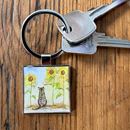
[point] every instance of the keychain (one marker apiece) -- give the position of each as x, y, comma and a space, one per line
46, 87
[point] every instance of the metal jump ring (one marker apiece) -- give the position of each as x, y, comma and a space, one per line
44, 57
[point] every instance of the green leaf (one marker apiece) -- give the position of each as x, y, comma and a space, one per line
33, 96
58, 95
49, 79
67, 88
57, 85
28, 91
60, 88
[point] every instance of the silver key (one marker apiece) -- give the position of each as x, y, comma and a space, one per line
89, 46
82, 24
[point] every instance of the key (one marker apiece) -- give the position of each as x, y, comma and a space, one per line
89, 46
82, 23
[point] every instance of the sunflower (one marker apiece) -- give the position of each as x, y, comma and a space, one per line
51, 72
63, 72
30, 79
63, 76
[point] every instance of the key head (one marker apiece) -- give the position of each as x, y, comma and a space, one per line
86, 47
81, 24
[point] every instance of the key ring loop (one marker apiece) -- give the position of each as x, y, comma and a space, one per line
44, 57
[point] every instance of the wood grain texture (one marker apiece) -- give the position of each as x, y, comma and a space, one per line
100, 82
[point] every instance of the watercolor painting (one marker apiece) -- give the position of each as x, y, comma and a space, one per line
47, 89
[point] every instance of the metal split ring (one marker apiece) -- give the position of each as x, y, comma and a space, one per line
44, 57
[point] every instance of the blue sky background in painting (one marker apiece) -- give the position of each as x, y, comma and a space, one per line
38, 71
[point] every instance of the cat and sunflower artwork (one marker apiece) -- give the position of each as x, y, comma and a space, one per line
47, 89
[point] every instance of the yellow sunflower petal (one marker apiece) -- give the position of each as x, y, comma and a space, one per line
30, 79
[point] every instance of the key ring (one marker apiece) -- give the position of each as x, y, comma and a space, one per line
44, 57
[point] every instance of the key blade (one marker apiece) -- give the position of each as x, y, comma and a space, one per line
106, 41
101, 10
85, 47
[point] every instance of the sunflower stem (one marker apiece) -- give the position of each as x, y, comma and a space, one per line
53, 92
63, 91
31, 95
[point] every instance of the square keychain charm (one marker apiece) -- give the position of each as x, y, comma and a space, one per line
47, 89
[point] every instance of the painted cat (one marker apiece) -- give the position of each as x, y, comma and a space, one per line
42, 101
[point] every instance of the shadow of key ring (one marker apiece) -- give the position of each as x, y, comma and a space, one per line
44, 57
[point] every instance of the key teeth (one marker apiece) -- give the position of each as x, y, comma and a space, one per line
111, 37
98, 34
103, 35
108, 41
